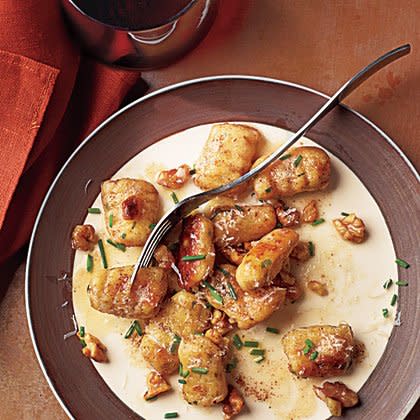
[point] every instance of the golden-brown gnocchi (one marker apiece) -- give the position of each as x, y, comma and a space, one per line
304, 169
206, 383
110, 291
227, 154
196, 242
319, 350
266, 258
131, 206
242, 224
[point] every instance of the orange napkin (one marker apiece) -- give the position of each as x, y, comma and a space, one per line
51, 97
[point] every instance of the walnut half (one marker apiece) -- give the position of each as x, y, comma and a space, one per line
93, 348
83, 237
233, 404
336, 395
156, 385
318, 288
174, 178
351, 228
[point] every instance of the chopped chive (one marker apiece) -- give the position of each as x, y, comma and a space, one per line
82, 331
185, 373
387, 284
268, 190
174, 198
222, 270
318, 221
180, 369
251, 343
314, 355
134, 326
402, 263
111, 220
175, 343
237, 342
89, 263
272, 330
152, 398
309, 343
259, 359
102, 251
385, 313
123, 235
297, 161
343, 213
257, 352
394, 300
182, 381
232, 291
311, 248
94, 210
231, 365
192, 171
83, 343
193, 257
152, 226
172, 415
266, 263
284, 157
238, 207
117, 245
216, 296
200, 370
401, 283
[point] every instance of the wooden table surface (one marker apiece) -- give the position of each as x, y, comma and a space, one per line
317, 43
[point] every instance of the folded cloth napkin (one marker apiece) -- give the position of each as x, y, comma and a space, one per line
51, 97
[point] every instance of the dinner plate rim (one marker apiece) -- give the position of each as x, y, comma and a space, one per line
144, 98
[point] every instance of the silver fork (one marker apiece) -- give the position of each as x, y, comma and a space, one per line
186, 206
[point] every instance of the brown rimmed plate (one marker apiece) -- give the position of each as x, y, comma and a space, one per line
391, 390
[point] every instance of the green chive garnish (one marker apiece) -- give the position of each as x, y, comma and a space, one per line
182, 372
232, 291
237, 342
111, 220
311, 248
394, 300
152, 398
94, 210
222, 270
123, 235
284, 157
102, 251
259, 359
152, 226
175, 343
185, 373
200, 370
251, 343
401, 283
314, 355
402, 263
81, 331
385, 313
297, 161
182, 381
117, 245
89, 263
193, 257
387, 284
268, 190
272, 330
172, 415
216, 296
343, 213
266, 263
174, 198
318, 221
308, 345
83, 343
134, 326
257, 352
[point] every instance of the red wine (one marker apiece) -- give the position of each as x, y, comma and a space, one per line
132, 14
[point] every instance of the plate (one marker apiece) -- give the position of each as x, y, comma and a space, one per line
390, 391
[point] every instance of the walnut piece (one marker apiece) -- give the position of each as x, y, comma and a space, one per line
336, 395
164, 257
318, 288
94, 349
130, 208
310, 212
233, 404
174, 178
220, 322
288, 217
288, 282
156, 385
301, 251
351, 228
83, 237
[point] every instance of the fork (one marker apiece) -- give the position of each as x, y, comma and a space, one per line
187, 205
